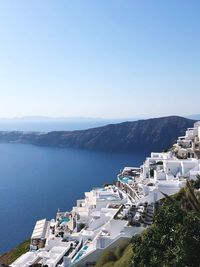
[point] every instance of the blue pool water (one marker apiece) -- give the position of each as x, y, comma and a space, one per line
65, 220
36, 181
80, 253
125, 179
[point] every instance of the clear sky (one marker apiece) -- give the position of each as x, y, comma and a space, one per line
99, 58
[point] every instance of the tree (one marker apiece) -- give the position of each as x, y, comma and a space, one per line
174, 237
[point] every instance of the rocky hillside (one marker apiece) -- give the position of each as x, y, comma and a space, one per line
143, 135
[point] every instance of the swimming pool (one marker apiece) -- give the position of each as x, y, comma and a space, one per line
65, 220
126, 179
80, 253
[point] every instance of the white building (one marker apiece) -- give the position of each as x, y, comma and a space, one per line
97, 222
188, 146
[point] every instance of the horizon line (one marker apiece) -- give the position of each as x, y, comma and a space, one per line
40, 117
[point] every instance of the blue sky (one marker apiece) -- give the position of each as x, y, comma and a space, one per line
99, 58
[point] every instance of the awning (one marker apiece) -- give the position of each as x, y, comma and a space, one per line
39, 230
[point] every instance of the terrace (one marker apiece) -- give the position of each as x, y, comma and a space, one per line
141, 215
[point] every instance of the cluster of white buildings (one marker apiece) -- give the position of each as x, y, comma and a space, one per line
188, 146
113, 213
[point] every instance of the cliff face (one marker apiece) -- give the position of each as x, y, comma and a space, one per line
145, 135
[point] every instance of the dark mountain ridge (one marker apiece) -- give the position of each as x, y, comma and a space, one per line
141, 135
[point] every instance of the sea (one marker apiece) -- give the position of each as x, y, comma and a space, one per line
37, 181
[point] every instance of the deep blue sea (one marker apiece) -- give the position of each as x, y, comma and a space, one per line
36, 181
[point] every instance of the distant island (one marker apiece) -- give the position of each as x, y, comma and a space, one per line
141, 135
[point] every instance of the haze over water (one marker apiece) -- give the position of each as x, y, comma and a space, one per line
36, 181
51, 125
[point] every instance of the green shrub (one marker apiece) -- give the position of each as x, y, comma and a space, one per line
121, 248
107, 256
126, 257
119, 256
173, 239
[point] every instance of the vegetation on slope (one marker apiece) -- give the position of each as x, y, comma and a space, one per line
174, 237
121, 256
9, 257
173, 240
